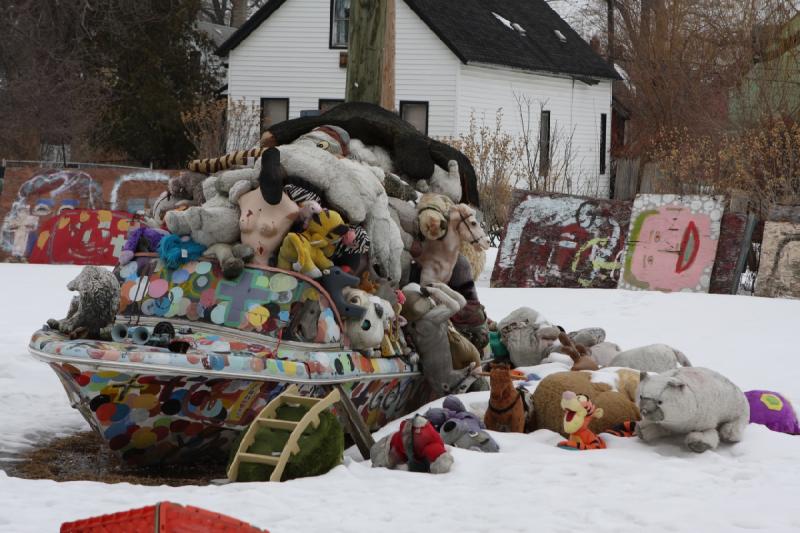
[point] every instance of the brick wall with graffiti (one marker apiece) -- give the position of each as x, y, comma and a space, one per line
78, 216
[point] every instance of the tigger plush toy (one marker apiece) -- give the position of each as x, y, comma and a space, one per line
578, 413
309, 252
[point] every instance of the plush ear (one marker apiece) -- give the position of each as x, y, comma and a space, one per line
642, 376
675, 382
598, 413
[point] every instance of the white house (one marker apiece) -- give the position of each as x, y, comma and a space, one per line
454, 59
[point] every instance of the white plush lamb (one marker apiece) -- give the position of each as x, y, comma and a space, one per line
651, 358
696, 402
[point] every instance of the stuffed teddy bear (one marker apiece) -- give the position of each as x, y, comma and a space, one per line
92, 313
416, 444
700, 404
309, 252
652, 358
215, 224
618, 405
527, 336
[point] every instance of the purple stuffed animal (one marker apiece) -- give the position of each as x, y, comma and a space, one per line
772, 410
141, 238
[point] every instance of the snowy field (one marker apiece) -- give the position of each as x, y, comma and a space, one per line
530, 486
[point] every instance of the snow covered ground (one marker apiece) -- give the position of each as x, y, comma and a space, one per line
530, 486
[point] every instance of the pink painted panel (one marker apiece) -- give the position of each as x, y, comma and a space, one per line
672, 243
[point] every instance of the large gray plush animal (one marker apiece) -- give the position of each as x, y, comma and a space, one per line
527, 336
428, 311
92, 312
696, 402
651, 358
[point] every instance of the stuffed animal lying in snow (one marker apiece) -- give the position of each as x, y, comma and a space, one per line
92, 313
579, 412
618, 405
460, 428
507, 409
652, 358
773, 410
699, 403
416, 444
527, 336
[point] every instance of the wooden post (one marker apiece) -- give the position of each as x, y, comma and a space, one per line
366, 50
387, 84
610, 22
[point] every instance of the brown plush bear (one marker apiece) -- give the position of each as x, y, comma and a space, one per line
618, 407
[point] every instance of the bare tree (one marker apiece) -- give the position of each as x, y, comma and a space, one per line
229, 12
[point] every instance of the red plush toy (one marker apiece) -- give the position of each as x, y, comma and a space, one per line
417, 444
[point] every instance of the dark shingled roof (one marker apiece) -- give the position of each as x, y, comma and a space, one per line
470, 29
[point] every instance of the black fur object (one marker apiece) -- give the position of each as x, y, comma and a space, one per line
413, 153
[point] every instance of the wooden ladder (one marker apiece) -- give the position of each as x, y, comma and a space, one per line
267, 418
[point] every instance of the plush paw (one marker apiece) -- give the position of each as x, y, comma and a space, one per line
698, 446
232, 267
52, 323
442, 464
296, 266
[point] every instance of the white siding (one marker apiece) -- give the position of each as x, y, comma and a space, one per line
575, 110
288, 56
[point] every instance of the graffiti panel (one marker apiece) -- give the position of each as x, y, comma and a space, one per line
42, 193
734, 240
555, 240
80, 237
672, 243
779, 268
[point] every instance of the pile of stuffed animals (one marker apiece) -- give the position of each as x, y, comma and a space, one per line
359, 200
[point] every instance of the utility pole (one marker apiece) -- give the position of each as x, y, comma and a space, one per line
610, 21
370, 61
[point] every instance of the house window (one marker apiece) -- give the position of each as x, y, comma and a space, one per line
544, 143
340, 17
273, 110
416, 113
602, 143
328, 104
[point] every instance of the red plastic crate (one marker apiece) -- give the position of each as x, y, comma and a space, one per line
164, 517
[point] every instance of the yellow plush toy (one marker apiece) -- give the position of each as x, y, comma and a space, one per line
309, 252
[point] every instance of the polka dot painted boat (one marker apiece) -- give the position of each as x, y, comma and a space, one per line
234, 346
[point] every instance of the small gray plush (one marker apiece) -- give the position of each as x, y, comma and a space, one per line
458, 433
604, 352
699, 403
527, 336
651, 358
91, 314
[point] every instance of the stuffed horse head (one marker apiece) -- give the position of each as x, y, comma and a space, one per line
468, 227
433, 215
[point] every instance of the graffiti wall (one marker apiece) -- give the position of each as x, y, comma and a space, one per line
555, 240
34, 199
80, 237
672, 243
734, 241
779, 269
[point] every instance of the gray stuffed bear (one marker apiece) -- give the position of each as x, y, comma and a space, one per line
527, 336
91, 314
699, 403
652, 358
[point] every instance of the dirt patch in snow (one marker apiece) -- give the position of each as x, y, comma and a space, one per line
85, 457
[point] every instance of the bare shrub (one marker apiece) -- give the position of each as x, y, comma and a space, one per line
762, 161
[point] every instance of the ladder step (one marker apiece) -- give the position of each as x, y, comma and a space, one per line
255, 458
294, 398
277, 424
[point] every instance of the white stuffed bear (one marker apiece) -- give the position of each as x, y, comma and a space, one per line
696, 402
651, 358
